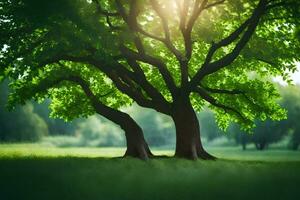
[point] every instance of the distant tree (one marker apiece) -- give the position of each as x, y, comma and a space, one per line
160, 53
209, 127
269, 132
291, 102
240, 137
97, 131
295, 142
266, 133
21, 125
55, 126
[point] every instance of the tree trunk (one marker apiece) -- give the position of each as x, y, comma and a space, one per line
244, 141
295, 146
188, 142
136, 145
244, 146
260, 146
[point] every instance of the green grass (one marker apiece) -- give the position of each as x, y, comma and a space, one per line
34, 172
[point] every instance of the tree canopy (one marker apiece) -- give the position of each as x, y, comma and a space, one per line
171, 56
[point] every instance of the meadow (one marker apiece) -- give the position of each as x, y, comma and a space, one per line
31, 171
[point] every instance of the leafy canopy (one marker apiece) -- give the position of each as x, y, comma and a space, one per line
217, 52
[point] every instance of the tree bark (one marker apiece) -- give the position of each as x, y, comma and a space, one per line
188, 141
136, 145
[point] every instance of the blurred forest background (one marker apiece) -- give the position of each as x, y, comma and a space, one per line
31, 123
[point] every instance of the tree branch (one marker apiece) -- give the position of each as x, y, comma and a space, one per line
249, 26
123, 79
104, 12
151, 91
214, 102
235, 92
223, 91
156, 63
214, 4
167, 39
107, 15
114, 115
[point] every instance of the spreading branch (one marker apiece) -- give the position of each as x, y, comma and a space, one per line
214, 4
236, 92
100, 108
248, 27
214, 102
148, 87
107, 15
126, 81
167, 40
162, 68
222, 91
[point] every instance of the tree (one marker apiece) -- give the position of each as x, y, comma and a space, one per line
291, 102
267, 133
39, 84
21, 125
171, 56
264, 133
240, 137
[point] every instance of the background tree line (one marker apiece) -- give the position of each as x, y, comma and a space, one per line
32, 123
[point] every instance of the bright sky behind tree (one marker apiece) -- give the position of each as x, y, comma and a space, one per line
295, 77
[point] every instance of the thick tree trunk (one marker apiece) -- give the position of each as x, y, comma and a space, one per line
188, 142
136, 145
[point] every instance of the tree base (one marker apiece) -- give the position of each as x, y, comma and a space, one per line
206, 156
194, 154
141, 152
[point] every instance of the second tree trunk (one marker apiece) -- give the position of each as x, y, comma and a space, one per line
188, 142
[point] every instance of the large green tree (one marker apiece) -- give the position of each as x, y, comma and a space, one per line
27, 27
174, 56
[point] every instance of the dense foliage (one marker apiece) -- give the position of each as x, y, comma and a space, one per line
36, 33
171, 56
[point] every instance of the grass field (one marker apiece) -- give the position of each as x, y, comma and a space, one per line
29, 171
